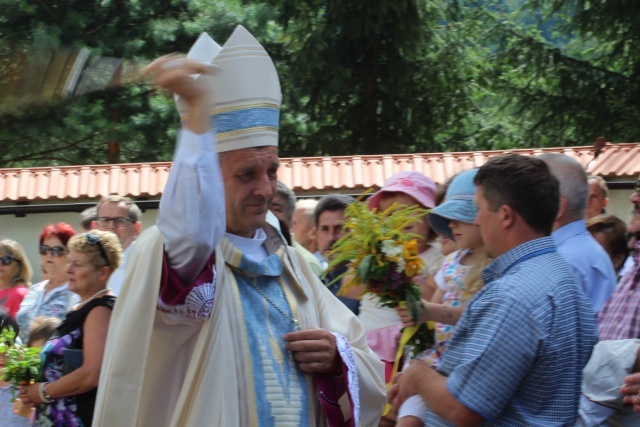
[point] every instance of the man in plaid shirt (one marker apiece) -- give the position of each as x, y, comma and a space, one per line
619, 319
617, 352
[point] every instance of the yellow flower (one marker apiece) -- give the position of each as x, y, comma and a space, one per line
413, 267
414, 263
411, 248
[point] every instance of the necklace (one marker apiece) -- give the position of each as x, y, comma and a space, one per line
94, 296
253, 282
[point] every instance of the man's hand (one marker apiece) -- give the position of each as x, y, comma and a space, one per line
315, 351
173, 72
404, 384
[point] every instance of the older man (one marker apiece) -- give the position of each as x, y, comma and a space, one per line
121, 216
283, 206
303, 225
87, 218
598, 198
243, 333
590, 263
517, 354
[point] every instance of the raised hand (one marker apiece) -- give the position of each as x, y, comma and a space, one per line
174, 73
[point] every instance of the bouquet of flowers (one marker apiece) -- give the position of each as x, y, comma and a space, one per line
383, 256
22, 364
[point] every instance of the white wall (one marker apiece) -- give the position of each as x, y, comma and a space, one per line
26, 230
619, 204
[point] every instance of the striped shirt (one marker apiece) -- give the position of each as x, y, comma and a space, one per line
619, 318
517, 355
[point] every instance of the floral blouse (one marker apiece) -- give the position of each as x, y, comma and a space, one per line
55, 303
452, 276
76, 410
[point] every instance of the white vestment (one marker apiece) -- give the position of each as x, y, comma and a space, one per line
162, 369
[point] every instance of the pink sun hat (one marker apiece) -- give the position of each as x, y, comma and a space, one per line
411, 183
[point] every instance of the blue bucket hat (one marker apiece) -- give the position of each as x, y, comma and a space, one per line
459, 204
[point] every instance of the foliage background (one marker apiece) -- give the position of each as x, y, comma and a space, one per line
358, 77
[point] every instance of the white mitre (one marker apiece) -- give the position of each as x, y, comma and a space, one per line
245, 104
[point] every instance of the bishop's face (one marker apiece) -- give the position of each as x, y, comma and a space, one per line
250, 177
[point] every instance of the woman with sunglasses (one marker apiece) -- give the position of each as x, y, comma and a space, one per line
15, 274
51, 297
73, 357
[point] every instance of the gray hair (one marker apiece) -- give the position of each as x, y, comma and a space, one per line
87, 216
601, 183
134, 211
573, 182
289, 197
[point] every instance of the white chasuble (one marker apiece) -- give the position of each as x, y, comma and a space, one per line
230, 369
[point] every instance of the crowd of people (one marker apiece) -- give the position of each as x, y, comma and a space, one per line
68, 310
226, 313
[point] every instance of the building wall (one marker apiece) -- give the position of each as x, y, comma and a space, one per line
26, 230
619, 204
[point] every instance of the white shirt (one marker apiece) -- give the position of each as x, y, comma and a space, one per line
191, 223
117, 277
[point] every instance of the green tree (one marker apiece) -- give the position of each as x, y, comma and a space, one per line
374, 77
564, 71
358, 77
129, 123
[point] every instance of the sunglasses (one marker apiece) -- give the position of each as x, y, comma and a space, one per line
53, 250
94, 240
8, 259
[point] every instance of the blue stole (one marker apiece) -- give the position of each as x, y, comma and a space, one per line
281, 390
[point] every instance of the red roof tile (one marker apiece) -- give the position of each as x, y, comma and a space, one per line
305, 175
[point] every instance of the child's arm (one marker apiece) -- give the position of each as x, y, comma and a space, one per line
435, 312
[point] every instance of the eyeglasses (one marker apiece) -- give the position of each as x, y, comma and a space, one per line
8, 259
94, 240
119, 221
53, 250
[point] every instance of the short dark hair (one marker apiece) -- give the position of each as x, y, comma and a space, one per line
526, 185
331, 202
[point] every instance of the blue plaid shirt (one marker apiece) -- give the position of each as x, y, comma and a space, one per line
518, 351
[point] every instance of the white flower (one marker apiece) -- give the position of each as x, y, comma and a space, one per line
401, 265
390, 249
